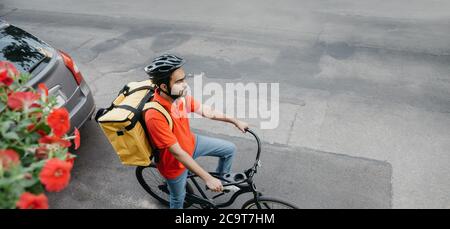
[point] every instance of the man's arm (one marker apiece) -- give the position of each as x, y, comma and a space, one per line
208, 112
182, 156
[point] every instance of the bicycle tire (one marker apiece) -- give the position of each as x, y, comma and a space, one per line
268, 203
153, 187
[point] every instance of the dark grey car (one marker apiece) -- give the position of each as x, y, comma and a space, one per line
50, 66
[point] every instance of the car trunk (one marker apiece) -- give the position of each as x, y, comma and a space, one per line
31, 55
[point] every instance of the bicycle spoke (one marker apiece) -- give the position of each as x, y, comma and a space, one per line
154, 177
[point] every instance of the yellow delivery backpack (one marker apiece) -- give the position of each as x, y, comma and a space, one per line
124, 126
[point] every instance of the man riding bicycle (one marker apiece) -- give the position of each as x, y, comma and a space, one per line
178, 147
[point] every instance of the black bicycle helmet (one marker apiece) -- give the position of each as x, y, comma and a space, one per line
162, 66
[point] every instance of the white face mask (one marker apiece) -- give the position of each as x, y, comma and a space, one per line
178, 90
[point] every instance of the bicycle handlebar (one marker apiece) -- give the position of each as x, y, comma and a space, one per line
258, 154
253, 169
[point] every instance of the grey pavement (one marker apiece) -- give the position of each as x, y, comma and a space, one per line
364, 91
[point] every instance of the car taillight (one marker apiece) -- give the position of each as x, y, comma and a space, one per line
70, 64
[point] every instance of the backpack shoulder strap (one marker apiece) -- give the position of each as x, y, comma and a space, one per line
157, 106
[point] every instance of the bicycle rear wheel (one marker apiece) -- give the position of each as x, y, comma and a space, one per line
156, 185
268, 203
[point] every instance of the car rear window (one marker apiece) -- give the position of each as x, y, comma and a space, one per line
21, 48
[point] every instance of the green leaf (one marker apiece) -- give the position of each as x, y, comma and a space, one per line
35, 165
11, 136
28, 183
4, 126
11, 180
2, 106
43, 126
36, 188
24, 124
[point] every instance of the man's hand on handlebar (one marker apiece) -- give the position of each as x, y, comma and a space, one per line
243, 126
214, 184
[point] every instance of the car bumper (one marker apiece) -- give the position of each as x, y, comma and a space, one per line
83, 106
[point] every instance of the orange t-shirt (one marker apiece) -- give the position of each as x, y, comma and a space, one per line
163, 137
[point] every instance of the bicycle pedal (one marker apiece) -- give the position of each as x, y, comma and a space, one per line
164, 187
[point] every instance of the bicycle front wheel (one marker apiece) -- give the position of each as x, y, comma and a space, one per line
268, 203
156, 185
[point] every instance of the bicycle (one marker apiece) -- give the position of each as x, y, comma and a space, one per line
156, 186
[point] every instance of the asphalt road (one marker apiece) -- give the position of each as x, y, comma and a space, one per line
364, 91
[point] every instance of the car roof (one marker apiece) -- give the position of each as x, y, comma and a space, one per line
3, 24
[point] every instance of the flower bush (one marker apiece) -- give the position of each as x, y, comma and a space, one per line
34, 144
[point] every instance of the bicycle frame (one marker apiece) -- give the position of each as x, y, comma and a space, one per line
245, 184
204, 201
243, 180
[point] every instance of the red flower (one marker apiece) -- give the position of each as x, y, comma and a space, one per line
30, 127
42, 133
43, 88
19, 100
35, 105
7, 73
70, 159
54, 139
9, 157
30, 201
77, 139
58, 120
55, 174
4, 77
10, 68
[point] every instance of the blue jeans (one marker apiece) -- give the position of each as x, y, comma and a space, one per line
204, 146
